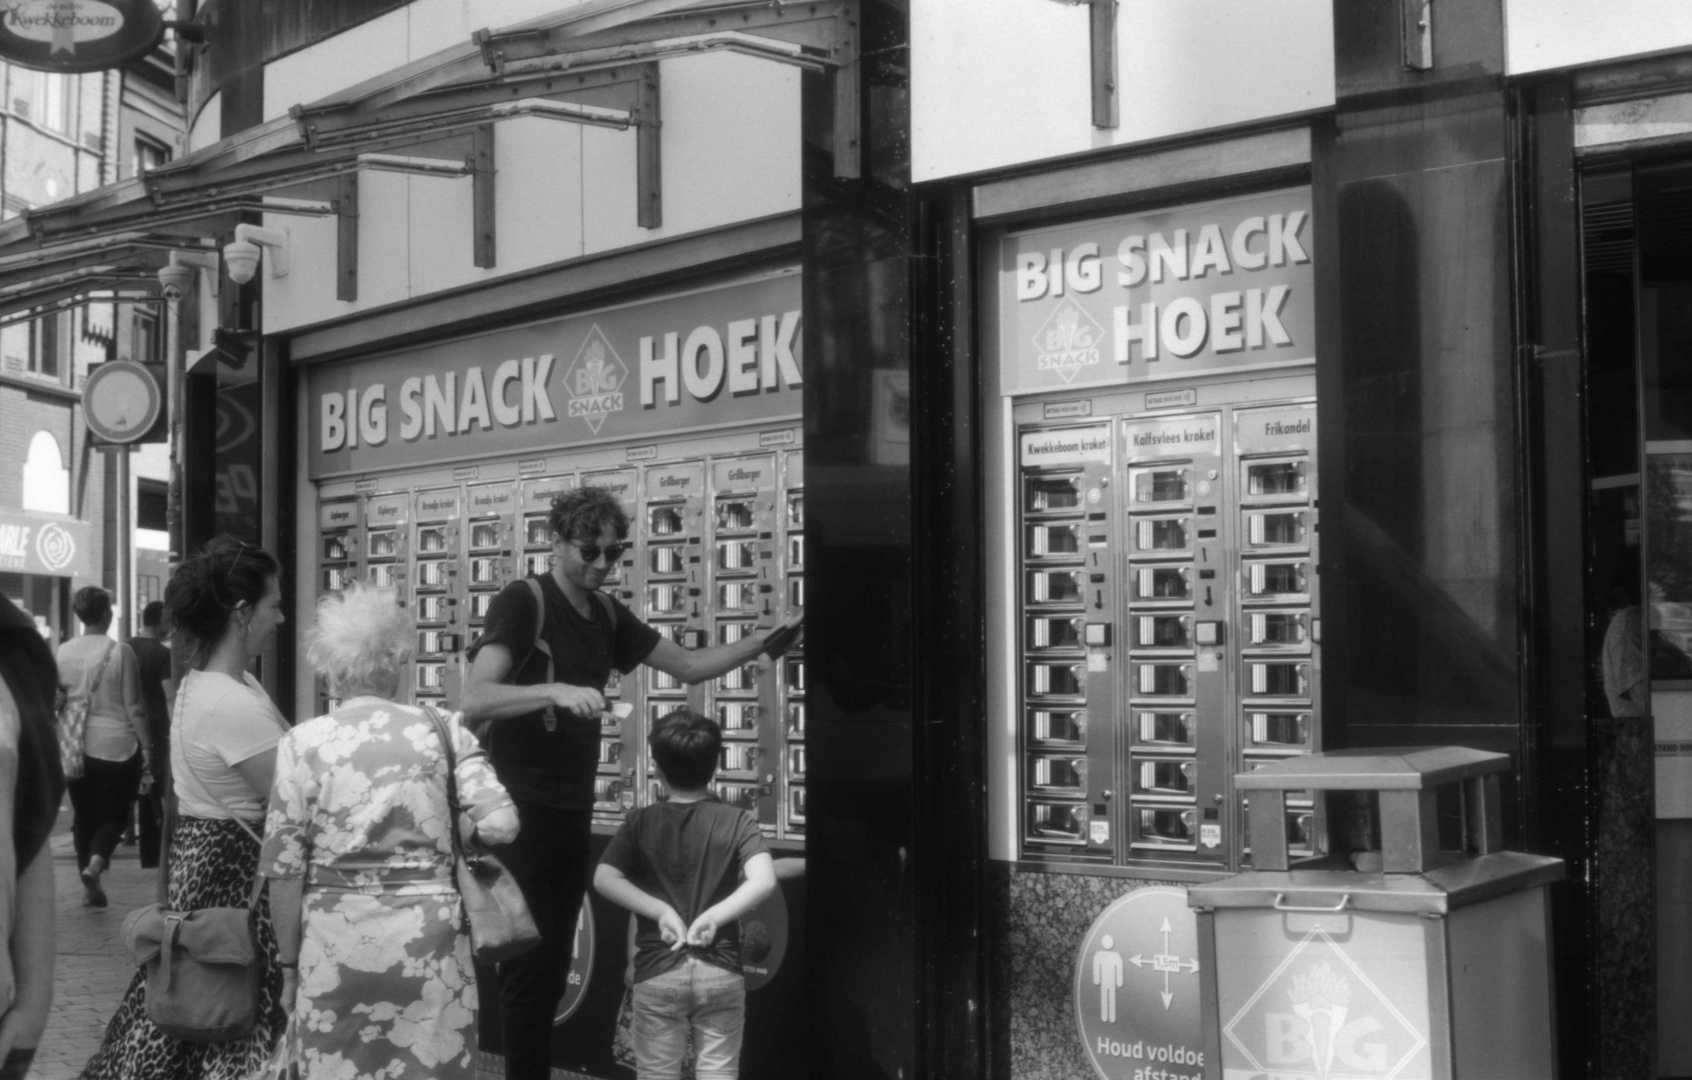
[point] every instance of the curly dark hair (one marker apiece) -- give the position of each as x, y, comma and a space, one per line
207, 587
93, 605
582, 514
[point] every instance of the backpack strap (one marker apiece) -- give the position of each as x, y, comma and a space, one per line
549, 715
610, 609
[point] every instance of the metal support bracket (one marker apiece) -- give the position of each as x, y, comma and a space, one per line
1418, 34
1102, 35
649, 173
482, 197
346, 237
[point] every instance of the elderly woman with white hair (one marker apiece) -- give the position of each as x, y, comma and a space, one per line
375, 946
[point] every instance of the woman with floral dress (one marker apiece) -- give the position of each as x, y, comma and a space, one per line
373, 939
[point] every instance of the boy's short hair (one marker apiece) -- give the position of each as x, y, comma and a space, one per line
685, 745
153, 613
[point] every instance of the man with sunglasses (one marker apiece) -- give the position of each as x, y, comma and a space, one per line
543, 736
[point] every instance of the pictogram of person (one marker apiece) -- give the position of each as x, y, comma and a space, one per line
1107, 976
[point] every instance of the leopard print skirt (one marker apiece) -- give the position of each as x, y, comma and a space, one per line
212, 864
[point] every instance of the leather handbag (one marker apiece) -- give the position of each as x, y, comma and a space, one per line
73, 720
202, 967
500, 924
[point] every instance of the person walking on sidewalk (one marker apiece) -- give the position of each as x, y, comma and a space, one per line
542, 714
117, 743
225, 602
153, 655
31, 786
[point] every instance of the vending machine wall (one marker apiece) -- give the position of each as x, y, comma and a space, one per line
1168, 619
716, 554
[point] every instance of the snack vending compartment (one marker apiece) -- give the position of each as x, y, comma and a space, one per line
1056, 586
1057, 726
739, 717
1281, 580
1275, 480
737, 597
795, 509
1161, 485
742, 679
796, 593
1169, 778
1163, 680
336, 578
795, 674
430, 676
1051, 822
796, 761
1163, 535
384, 544
436, 643
537, 530
669, 598
1059, 775
610, 754
434, 573
1277, 529
796, 805
1289, 630
537, 562
487, 570
387, 575
742, 796
1277, 678
795, 551
662, 682
1151, 584
738, 757
1055, 632
480, 602
666, 560
607, 794
796, 720
1051, 494
436, 539
1285, 730
1162, 827
1057, 680
737, 556
736, 514
337, 547
1304, 827
1060, 540
487, 534
1171, 631
436, 609
665, 521
1165, 729
657, 710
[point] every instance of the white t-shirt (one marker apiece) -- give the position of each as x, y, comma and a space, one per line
217, 724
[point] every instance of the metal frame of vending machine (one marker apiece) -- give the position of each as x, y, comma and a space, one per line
1167, 617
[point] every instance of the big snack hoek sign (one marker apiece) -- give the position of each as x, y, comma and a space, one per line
719, 357
1206, 287
77, 35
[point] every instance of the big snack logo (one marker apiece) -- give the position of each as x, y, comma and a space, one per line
595, 380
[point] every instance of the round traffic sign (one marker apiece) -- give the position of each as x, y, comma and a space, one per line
120, 401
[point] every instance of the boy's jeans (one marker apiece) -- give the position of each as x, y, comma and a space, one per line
694, 995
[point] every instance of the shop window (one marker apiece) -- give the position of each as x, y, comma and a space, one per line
151, 498
49, 347
149, 154
46, 481
144, 341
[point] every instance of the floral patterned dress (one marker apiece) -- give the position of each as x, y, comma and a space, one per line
359, 811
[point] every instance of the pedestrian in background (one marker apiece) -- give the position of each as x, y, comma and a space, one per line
31, 786
360, 860
224, 603
117, 744
153, 656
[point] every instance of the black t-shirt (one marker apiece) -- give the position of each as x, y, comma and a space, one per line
153, 656
556, 768
690, 856
26, 664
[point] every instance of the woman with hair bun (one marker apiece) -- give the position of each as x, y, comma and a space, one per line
375, 945
116, 744
224, 603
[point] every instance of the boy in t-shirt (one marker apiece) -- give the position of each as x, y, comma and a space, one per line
688, 868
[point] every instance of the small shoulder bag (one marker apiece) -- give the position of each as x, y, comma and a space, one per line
202, 967
500, 924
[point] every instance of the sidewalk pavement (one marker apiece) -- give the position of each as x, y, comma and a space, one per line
91, 968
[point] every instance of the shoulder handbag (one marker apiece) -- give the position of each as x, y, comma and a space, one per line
500, 924
73, 719
202, 967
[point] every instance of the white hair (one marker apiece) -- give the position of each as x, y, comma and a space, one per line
361, 639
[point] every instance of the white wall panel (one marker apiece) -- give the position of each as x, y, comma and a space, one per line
206, 126
537, 185
1544, 34
1003, 82
350, 57
307, 294
440, 234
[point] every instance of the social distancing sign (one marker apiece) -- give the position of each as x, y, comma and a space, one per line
1137, 988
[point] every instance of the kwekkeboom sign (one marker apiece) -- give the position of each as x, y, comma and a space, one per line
77, 35
1211, 286
723, 356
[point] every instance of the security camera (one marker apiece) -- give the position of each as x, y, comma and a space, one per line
241, 259
175, 280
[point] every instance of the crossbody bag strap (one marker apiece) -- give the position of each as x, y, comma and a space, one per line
549, 715
453, 809
258, 878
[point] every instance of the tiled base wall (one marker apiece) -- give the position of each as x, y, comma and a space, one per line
1037, 921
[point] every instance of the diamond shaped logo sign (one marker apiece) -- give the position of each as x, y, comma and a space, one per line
594, 380
1319, 1016
1068, 341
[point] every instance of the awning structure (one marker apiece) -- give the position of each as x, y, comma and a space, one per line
595, 64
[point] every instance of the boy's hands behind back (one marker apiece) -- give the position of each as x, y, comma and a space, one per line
672, 929
703, 931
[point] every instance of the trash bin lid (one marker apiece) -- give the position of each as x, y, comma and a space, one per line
1331, 889
1404, 769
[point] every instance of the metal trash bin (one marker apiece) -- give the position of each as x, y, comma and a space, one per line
1411, 948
